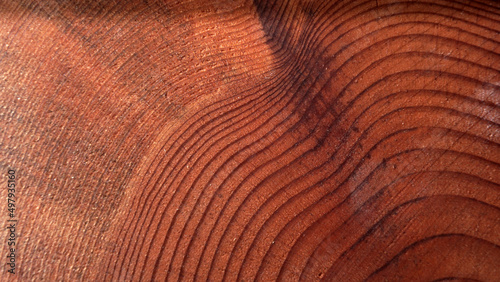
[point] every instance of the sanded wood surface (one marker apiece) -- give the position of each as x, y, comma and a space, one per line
239, 140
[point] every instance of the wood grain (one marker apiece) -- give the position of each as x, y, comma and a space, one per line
239, 140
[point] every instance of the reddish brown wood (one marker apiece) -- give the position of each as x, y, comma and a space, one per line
239, 140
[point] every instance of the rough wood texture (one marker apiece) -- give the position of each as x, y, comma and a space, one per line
238, 140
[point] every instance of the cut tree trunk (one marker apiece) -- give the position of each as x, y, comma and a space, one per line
239, 140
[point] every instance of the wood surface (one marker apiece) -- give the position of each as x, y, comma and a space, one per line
239, 141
